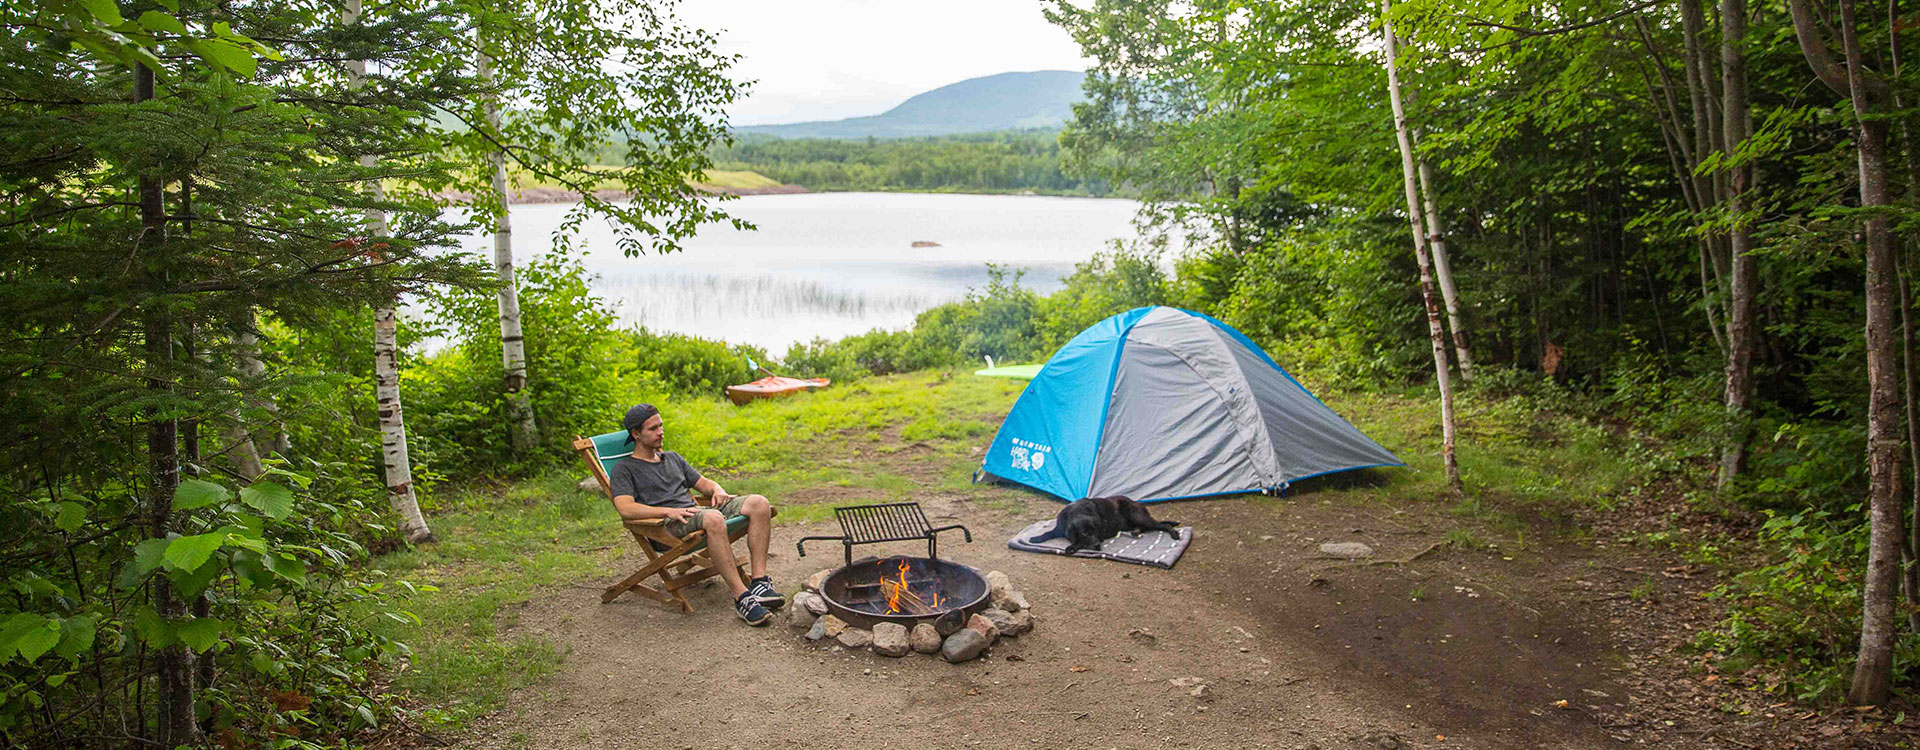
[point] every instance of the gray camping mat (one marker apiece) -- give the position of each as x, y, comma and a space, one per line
1156, 548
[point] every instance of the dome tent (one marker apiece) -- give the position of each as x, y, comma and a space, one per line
1159, 403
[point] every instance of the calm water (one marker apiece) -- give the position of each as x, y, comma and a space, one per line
827, 265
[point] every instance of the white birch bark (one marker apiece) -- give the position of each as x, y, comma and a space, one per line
513, 352
386, 367
253, 372
1416, 223
1443, 271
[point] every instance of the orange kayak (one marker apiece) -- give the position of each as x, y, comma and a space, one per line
772, 387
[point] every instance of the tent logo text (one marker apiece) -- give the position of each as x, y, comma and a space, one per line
1027, 455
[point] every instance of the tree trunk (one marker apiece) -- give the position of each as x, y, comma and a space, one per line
1416, 224
1443, 271
386, 364
173, 666
1741, 336
1873, 667
513, 351
253, 373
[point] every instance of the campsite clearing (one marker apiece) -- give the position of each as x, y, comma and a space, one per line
1501, 620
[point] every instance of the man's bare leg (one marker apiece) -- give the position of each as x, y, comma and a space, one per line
721, 551
759, 514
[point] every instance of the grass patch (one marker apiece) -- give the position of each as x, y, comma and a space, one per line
888, 439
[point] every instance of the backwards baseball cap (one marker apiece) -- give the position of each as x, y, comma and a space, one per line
636, 417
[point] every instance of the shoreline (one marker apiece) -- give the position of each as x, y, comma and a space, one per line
539, 195
560, 195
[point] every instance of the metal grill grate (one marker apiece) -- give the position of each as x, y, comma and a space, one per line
885, 522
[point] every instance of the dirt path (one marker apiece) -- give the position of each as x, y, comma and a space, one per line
1297, 651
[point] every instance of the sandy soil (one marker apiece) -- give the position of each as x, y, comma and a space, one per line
1298, 651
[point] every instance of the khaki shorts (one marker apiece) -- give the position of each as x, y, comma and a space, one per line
728, 509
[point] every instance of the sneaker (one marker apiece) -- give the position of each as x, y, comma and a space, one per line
751, 611
762, 591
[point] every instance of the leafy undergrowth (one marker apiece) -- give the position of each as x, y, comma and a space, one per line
885, 439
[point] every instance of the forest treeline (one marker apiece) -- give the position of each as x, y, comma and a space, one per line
212, 212
1003, 162
1702, 213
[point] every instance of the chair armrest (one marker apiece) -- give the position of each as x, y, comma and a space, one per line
645, 522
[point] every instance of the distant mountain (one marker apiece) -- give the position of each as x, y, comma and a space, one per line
1008, 101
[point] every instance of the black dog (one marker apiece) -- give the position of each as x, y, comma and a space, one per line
1090, 521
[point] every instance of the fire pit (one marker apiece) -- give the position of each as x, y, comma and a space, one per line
903, 590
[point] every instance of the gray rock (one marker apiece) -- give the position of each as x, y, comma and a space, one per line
997, 584
1002, 620
1013, 601
815, 581
590, 484
854, 638
800, 618
1384, 740
834, 626
963, 645
818, 631
1348, 550
1022, 624
890, 639
983, 626
810, 602
951, 622
924, 639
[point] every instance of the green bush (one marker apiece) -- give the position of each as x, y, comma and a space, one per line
1799, 617
688, 364
576, 365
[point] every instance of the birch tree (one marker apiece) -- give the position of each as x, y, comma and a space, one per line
386, 365
1420, 227
513, 350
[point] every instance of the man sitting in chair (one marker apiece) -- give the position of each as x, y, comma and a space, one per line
653, 483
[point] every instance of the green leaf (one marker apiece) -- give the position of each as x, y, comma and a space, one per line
152, 628
191, 552
202, 633
147, 555
366, 715
154, 20
270, 498
226, 55
171, 5
76, 635
13, 629
106, 10
288, 568
191, 582
56, 680
198, 493
37, 641
69, 516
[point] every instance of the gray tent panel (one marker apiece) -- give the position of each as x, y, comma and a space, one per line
1309, 437
1164, 435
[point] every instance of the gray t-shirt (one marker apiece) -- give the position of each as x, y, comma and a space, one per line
662, 484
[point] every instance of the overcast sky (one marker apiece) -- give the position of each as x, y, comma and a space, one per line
830, 59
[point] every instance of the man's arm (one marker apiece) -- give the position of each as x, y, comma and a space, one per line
712, 491
634, 510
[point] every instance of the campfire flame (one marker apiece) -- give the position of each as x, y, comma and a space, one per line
901, 599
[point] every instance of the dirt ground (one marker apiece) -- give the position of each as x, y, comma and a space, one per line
1427, 644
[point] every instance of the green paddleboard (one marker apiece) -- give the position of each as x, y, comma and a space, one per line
1022, 372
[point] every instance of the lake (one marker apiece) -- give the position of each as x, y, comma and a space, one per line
828, 265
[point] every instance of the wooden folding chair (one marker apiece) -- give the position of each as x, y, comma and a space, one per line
678, 562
